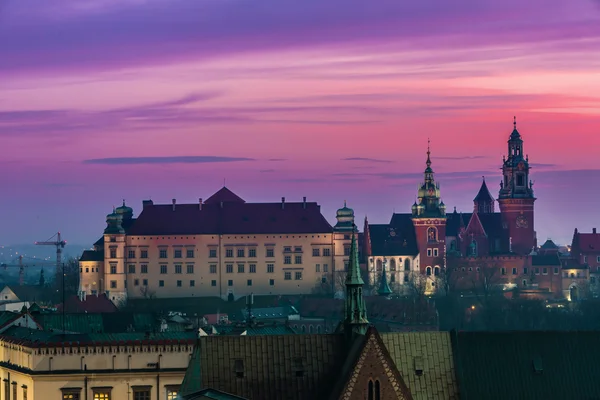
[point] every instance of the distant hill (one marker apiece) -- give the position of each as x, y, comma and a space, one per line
33, 254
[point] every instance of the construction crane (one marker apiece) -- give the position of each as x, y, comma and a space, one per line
22, 267
60, 244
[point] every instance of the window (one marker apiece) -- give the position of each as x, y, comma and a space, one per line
503, 271
346, 250
298, 260
406, 264
230, 282
326, 252
178, 283
473, 249
429, 252
514, 271
229, 268
88, 270
213, 269
131, 268
287, 276
24, 393
144, 254
136, 282
555, 270
428, 271
316, 252
212, 253
189, 253
71, 394
325, 267
252, 253
229, 253
172, 393
436, 252
520, 180
190, 268
163, 269
113, 253
318, 268
145, 282
161, 283
584, 259
213, 283
144, 268
270, 268
162, 253
298, 249
271, 282
270, 252
238, 367
287, 249
241, 253
113, 284
177, 268
252, 268
176, 254
101, 394
249, 283
192, 283
436, 271
240, 268
141, 393
287, 260
131, 254
113, 269
298, 276
525, 271
537, 271
431, 234
544, 271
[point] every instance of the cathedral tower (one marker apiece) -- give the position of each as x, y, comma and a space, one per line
516, 196
429, 220
483, 203
355, 313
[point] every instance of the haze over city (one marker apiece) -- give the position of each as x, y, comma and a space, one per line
105, 100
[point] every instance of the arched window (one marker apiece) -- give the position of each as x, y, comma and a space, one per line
392, 265
474, 248
432, 234
310, 329
377, 390
428, 271
318, 328
303, 328
379, 265
370, 396
436, 271
407, 264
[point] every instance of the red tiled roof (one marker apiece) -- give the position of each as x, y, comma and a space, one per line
230, 217
91, 304
589, 242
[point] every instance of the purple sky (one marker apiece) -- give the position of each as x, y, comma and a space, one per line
108, 99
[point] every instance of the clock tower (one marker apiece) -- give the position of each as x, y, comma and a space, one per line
429, 220
516, 196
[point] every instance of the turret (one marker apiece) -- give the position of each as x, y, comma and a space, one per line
125, 211
345, 219
113, 223
483, 203
384, 287
355, 313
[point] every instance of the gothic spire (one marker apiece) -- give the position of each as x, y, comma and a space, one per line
355, 321
384, 288
428, 153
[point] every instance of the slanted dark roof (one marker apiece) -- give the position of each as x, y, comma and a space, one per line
92, 304
91, 255
484, 194
211, 394
455, 221
269, 365
545, 260
492, 224
571, 263
527, 365
32, 293
99, 242
233, 217
549, 245
224, 195
394, 239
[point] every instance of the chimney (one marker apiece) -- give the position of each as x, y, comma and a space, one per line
174, 201
282, 203
594, 231
200, 204
304, 202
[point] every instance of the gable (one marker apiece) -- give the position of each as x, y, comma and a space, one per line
375, 372
475, 226
431, 351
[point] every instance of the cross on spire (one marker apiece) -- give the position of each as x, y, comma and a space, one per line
428, 152
515, 121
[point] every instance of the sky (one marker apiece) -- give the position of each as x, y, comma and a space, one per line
104, 100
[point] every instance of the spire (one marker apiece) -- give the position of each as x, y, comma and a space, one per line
355, 321
428, 153
192, 380
384, 288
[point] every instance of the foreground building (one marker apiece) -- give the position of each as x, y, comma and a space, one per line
222, 247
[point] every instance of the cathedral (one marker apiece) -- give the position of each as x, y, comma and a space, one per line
423, 242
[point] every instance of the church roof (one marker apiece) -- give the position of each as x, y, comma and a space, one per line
527, 365
549, 245
545, 260
92, 255
455, 221
234, 216
397, 238
484, 194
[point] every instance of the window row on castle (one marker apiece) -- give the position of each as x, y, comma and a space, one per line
515, 270
287, 276
189, 268
163, 253
392, 264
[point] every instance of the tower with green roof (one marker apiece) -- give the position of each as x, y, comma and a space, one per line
355, 313
384, 287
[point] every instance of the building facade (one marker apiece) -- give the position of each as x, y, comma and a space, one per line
219, 247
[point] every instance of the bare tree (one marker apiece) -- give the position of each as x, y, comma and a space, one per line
486, 280
416, 285
339, 281
322, 288
147, 293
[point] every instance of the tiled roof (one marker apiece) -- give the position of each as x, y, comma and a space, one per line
527, 365
224, 195
394, 239
432, 350
589, 242
267, 329
549, 245
7, 316
91, 304
455, 221
232, 218
115, 322
545, 260
273, 367
492, 223
211, 394
91, 255
571, 263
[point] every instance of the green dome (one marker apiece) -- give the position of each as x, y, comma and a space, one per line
124, 209
345, 211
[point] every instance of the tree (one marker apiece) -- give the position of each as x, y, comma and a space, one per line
322, 288
339, 282
147, 293
416, 285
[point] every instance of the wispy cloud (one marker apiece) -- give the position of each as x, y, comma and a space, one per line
367, 159
459, 157
277, 159
166, 160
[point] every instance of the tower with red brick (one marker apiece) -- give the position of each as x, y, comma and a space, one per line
516, 197
429, 220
